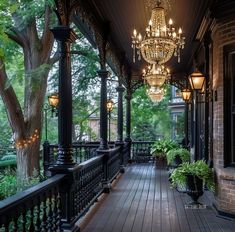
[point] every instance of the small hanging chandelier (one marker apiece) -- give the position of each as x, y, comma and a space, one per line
155, 94
160, 42
156, 74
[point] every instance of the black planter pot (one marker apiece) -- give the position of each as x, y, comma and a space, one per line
176, 162
161, 162
194, 188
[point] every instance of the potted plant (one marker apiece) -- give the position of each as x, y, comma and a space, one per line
177, 156
159, 150
193, 177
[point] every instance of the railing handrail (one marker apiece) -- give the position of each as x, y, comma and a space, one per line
90, 162
144, 142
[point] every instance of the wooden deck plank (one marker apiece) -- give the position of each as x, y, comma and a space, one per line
138, 222
142, 201
165, 210
157, 222
174, 217
148, 214
121, 218
102, 216
129, 222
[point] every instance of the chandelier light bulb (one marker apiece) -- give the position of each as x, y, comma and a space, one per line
170, 21
135, 33
180, 31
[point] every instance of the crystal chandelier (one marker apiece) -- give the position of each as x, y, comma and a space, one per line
155, 94
160, 42
155, 75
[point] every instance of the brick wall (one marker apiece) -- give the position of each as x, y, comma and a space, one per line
223, 34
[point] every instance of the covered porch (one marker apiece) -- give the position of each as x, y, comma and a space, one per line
101, 179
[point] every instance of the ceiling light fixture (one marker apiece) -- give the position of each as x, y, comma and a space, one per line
155, 75
161, 40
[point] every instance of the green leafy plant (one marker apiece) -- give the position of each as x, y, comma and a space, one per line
181, 152
9, 185
161, 147
198, 168
8, 157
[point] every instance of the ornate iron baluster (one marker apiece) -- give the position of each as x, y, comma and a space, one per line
50, 213
44, 216
24, 221
58, 219
31, 226
15, 224
38, 219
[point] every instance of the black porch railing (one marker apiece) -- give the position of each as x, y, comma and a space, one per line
81, 153
57, 203
141, 151
36, 209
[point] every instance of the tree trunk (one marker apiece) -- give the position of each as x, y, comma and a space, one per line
28, 162
26, 123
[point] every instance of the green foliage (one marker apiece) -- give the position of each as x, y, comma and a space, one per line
7, 163
10, 186
179, 127
181, 152
9, 157
162, 146
198, 168
150, 120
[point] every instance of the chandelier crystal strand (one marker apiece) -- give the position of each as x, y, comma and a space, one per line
155, 75
161, 40
155, 94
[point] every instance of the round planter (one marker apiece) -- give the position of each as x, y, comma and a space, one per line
176, 162
194, 188
161, 162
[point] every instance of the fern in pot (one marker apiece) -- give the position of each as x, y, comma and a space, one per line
159, 150
177, 156
193, 177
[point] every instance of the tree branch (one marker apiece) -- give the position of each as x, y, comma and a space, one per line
54, 59
15, 38
47, 36
14, 111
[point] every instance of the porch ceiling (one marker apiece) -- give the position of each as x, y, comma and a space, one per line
125, 15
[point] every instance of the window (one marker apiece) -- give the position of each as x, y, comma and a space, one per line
229, 106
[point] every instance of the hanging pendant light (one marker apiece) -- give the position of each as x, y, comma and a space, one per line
155, 75
155, 94
161, 40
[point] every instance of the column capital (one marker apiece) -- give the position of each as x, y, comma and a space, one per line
120, 88
103, 73
64, 34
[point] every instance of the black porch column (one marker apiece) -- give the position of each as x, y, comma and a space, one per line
186, 125
207, 42
103, 74
128, 118
120, 89
65, 37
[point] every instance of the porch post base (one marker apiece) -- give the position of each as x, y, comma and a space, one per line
107, 187
122, 169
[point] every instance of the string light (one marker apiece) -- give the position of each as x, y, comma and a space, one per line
24, 143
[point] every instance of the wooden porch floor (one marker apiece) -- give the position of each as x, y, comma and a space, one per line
142, 200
